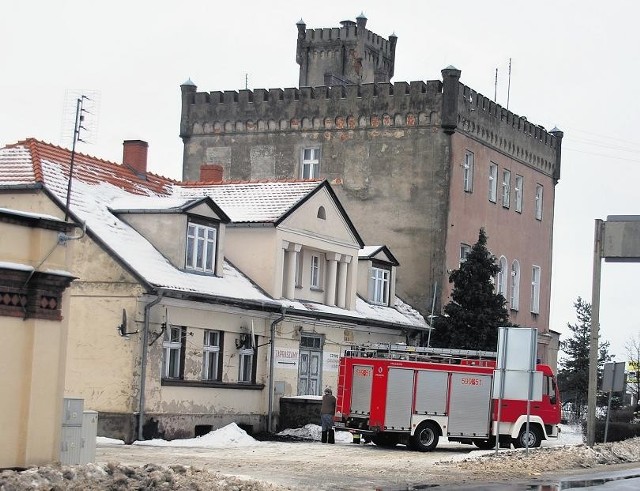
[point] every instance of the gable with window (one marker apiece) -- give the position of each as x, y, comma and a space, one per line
506, 188
201, 247
467, 168
174, 352
493, 182
310, 165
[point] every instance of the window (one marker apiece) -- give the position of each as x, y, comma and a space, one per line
535, 290
465, 250
539, 190
506, 188
518, 193
515, 285
379, 286
201, 247
310, 163
173, 345
315, 271
502, 277
493, 182
247, 366
468, 172
211, 356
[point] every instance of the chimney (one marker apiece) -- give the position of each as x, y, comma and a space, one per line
134, 154
211, 173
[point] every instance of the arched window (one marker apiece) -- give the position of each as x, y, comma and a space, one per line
515, 285
502, 277
322, 214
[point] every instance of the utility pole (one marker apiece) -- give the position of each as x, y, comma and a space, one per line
594, 335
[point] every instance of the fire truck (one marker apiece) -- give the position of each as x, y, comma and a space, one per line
398, 394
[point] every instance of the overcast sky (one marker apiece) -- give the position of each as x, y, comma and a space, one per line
574, 66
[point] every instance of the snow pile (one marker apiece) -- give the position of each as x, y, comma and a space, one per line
103, 440
314, 432
228, 436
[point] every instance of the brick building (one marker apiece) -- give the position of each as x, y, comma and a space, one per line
420, 166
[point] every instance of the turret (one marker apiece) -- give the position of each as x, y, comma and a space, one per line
450, 90
350, 54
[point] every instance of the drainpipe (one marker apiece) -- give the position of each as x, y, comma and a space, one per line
143, 363
271, 366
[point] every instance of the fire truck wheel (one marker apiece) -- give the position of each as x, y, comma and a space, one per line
425, 437
533, 437
385, 440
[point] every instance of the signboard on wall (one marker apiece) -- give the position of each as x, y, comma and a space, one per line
330, 361
286, 358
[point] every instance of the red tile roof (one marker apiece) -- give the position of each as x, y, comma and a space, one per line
23, 161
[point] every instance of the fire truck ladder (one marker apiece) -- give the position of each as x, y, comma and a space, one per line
419, 353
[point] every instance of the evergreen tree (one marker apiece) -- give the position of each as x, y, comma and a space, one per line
573, 376
472, 317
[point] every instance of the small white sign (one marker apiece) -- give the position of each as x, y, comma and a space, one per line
330, 361
286, 358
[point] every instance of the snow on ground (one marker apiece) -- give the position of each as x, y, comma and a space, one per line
228, 436
103, 440
229, 459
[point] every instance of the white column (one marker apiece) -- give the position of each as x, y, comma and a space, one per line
330, 285
342, 281
290, 255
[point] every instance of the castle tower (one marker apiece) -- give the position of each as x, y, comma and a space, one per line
347, 55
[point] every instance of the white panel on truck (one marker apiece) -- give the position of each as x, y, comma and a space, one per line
469, 405
431, 392
397, 413
361, 389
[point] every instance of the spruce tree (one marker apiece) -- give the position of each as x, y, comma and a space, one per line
573, 376
472, 317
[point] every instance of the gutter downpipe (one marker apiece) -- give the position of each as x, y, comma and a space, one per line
143, 363
272, 350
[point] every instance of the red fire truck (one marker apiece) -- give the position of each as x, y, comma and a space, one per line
398, 394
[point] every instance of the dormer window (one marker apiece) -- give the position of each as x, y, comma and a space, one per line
201, 247
379, 285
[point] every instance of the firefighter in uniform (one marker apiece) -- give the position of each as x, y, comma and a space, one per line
327, 410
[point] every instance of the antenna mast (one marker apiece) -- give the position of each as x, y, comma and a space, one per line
509, 85
76, 138
495, 88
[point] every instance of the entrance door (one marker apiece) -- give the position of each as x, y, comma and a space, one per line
310, 371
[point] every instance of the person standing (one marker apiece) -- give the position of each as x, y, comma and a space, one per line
327, 410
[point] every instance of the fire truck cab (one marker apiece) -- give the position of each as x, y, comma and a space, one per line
398, 394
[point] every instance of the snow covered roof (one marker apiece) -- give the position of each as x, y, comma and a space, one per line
253, 202
99, 186
381, 253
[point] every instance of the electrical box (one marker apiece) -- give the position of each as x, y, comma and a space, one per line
89, 435
72, 412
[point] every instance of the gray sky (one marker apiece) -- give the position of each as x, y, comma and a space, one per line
574, 66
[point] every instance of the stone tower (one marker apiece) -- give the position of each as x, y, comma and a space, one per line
347, 55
